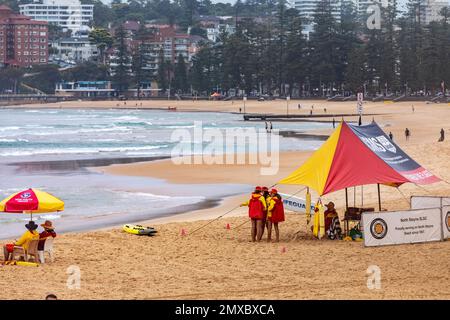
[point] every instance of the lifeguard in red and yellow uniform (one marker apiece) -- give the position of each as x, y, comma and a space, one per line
275, 214
256, 212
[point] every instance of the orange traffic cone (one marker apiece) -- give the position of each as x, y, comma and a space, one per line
283, 249
183, 232
228, 226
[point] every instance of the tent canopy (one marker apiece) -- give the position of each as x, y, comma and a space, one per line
358, 155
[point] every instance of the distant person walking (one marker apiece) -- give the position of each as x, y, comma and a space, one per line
407, 134
270, 127
391, 136
442, 137
299, 106
334, 123
310, 112
412, 108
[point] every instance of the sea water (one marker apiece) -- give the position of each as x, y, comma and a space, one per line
46, 137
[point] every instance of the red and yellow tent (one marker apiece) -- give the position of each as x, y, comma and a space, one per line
358, 155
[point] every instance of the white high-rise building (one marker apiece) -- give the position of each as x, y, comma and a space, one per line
68, 14
307, 8
430, 10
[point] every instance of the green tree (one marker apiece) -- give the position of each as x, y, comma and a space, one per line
180, 79
102, 39
121, 61
140, 67
164, 72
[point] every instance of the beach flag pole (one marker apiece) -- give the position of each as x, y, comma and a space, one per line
379, 197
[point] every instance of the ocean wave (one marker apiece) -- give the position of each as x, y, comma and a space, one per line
9, 128
133, 124
77, 151
130, 194
177, 126
75, 132
42, 111
13, 140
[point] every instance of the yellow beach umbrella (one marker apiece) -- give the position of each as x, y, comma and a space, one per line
31, 201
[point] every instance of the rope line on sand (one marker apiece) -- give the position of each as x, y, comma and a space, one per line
404, 196
246, 221
209, 222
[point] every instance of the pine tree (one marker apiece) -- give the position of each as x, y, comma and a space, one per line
324, 47
122, 64
180, 79
140, 67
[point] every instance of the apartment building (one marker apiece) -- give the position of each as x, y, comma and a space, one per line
23, 41
68, 14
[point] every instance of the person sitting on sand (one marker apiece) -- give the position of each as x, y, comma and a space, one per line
24, 241
49, 231
275, 214
256, 208
332, 224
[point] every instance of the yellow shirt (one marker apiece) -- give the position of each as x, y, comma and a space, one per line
271, 206
25, 239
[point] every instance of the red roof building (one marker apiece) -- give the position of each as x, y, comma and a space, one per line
23, 41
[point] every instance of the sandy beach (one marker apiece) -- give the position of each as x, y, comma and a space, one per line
217, 263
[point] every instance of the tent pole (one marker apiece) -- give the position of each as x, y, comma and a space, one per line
362, 196
379, 197
354, 196
346, 199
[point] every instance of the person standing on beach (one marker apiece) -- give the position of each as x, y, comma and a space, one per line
391, 136
270, 127
256, 208
266, 195
407, 134
442, 137
267, 126
275, 215
334, 123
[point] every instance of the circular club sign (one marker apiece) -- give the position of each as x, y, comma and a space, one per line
378, 228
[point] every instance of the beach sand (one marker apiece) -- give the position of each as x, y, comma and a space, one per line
216, 263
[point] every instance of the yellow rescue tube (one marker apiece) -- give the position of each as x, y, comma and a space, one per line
139, 230
21, 263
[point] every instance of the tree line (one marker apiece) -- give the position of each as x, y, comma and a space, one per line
339, 57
